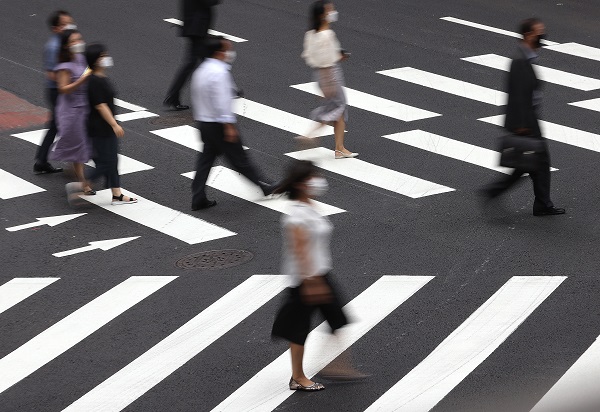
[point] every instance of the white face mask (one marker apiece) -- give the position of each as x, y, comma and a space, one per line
77, 48
230, 56
70, 26
316, 186
333, 16
106, 62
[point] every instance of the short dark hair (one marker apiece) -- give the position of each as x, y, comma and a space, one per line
316, 13
54, 19
297, 172
213, 44
64, 54
527, 25
93, 52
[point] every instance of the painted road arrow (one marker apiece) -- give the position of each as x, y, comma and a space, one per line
101, 244
50, 221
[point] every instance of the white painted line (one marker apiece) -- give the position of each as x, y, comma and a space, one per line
592, 104
171, 222
374, 104
127, 165
134, 116
186, 135
232, 182
18, 289
210, 31
34, 136
277, 118
451, 148
13, 186
128, 106
269, 388
577, 389
160, 361
360, 170
448, 85
490, 28
50, 221
71, 330
576, 49
559, 133
100, 244
468, 346
546, 74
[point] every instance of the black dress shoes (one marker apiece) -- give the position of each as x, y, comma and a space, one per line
175, 105
39, 168
204, 205
549, 211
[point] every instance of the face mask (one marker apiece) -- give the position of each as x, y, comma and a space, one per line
77, 48
106, 62
538, 41
332, 16
230, 56
70, 26
316, 186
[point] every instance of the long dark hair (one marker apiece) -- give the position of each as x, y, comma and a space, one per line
316, 14
65, 55
297, 172
92, 54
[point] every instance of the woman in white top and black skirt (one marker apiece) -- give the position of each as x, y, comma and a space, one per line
307, 260
322, 52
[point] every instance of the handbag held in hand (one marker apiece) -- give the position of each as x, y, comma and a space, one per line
520, 152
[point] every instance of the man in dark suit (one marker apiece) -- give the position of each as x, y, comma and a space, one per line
524, 98
197, 19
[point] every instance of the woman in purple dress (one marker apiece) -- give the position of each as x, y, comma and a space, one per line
72, 144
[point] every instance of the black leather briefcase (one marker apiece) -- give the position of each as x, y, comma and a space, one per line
522, 152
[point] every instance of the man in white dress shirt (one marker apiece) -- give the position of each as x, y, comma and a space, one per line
212, 93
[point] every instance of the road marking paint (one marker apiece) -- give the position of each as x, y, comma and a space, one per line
559, 133
12, 186
490, 28
160, 361
277, 118
35, 136
232, 182
171, 222
453, 149
374, 104
99, 244
546, 74
448, 85
129, 106
360, 170
592, 104
50, 221
576, 49
186, 135
577, 389
125, 117
268, 388
18, 289
229, 37
71, 330
468, 346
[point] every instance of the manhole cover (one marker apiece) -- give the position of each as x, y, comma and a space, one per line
215, 259
177, 119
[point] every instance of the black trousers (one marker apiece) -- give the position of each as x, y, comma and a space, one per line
541, 184
42, 152
214, 145
106, 158
194, 55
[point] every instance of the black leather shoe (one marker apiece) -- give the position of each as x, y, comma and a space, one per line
40, 168
550, 211
268, 189
175, 105
204, 205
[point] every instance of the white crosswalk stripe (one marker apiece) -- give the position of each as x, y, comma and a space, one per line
592, 104
18, 289
185, 135
229, 37
12, 186
576, 49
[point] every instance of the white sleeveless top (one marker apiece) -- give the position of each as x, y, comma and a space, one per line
321, 49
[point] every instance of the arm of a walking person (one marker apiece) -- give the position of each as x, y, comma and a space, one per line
110, 119
65, 86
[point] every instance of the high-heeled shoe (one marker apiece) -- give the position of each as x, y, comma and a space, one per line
341, 155
295, 386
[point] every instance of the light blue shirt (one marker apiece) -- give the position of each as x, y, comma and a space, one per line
212, 92
51, 49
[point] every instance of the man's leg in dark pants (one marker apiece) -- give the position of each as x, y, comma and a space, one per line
194, 55
236, 155
541, 185
501, 185
212, 133
41, 157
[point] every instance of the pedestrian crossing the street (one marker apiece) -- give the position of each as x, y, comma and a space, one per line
434, 378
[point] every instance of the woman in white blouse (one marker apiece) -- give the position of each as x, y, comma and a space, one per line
307, 260
322, 52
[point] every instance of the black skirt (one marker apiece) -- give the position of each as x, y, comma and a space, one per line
293, 320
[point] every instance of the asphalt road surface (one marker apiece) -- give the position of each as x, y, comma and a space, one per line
456, 307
